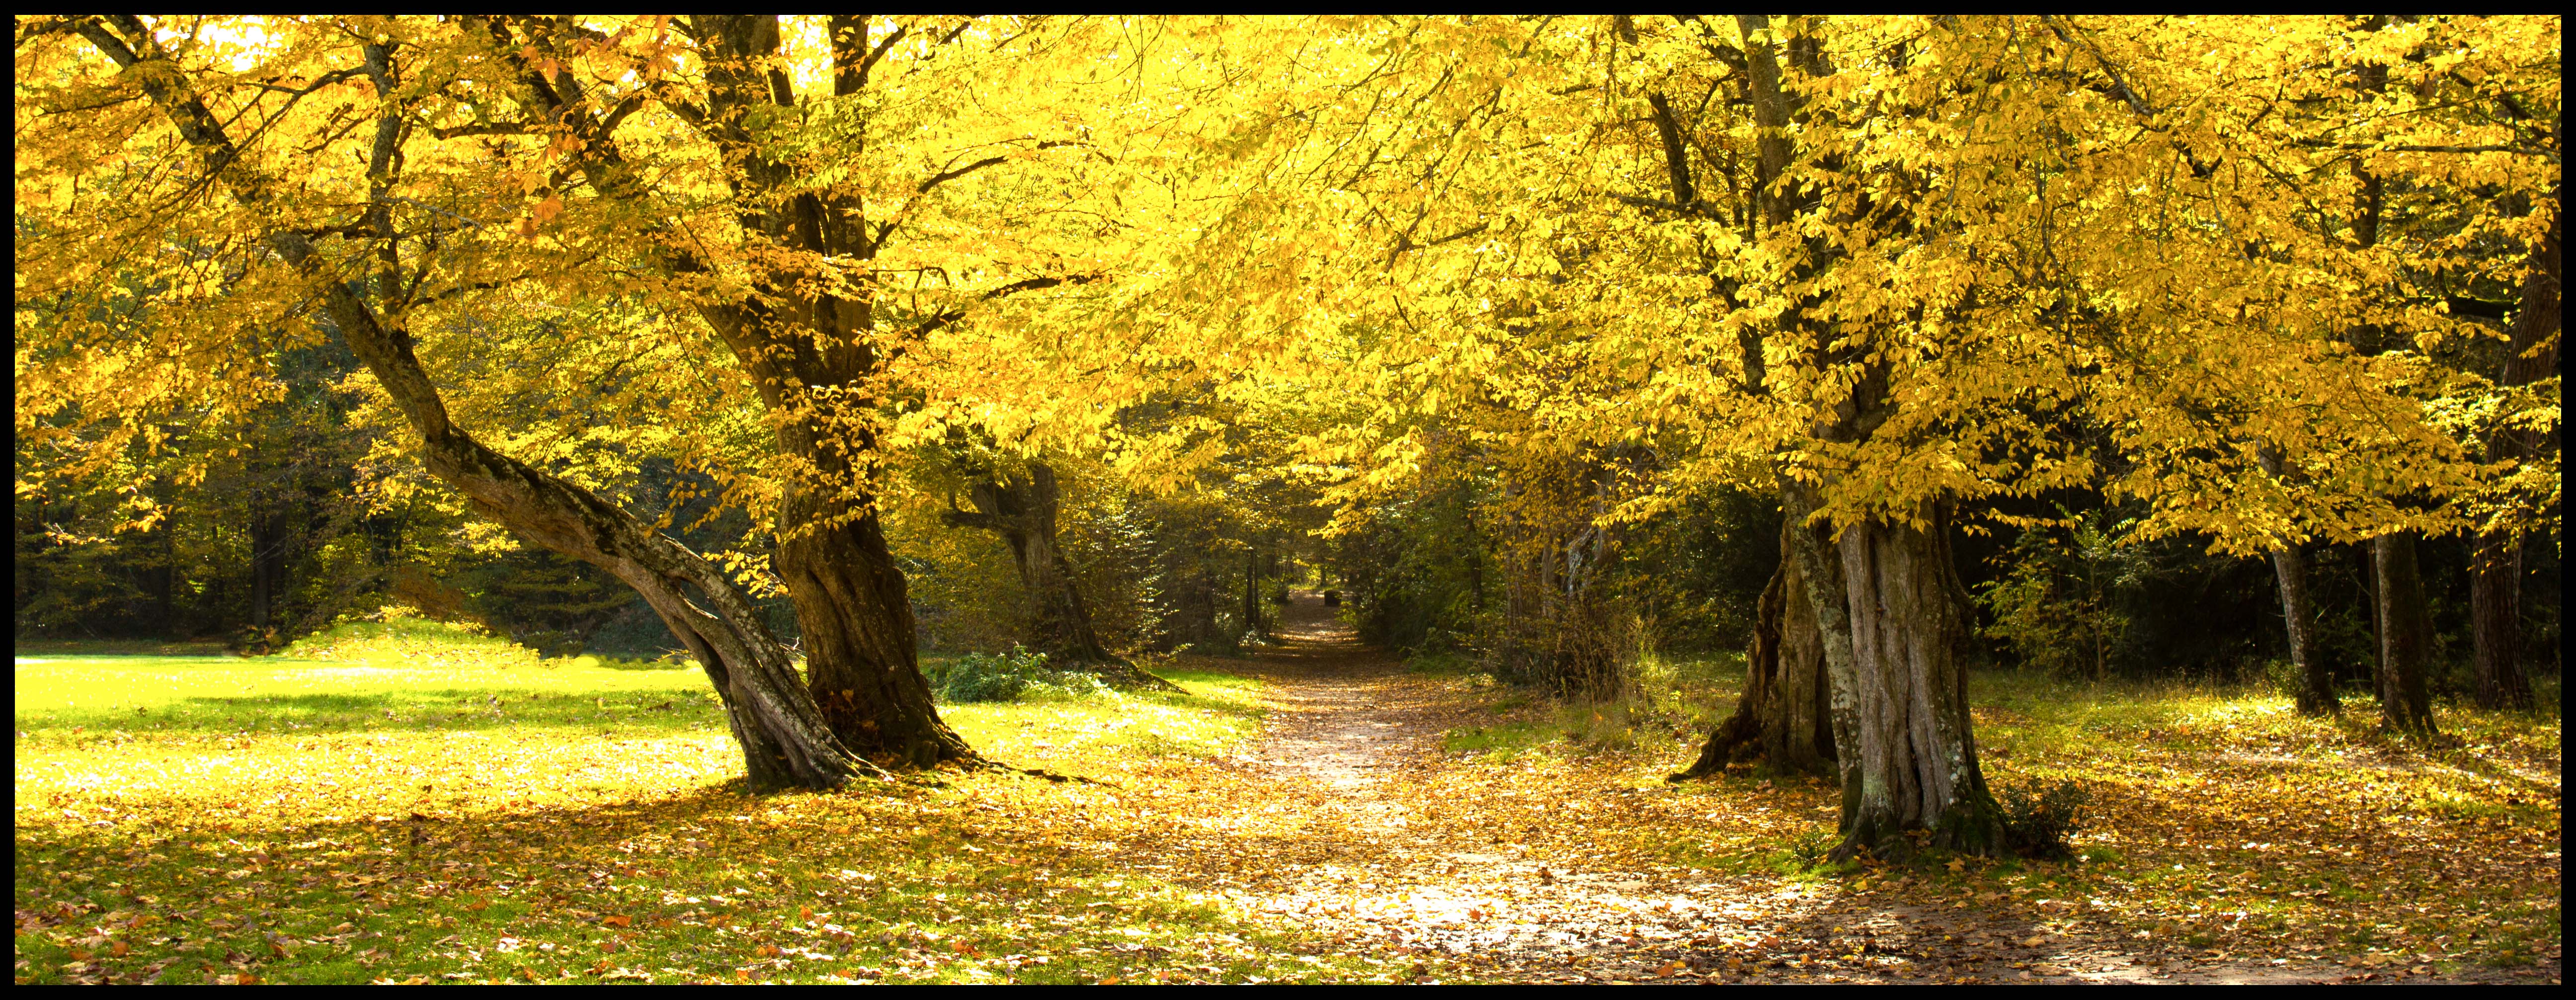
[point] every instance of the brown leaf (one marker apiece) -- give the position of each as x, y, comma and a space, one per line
618, 920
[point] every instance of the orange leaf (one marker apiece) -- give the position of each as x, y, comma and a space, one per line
617, 921
116, 950
545, 211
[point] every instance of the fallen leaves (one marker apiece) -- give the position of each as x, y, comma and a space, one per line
1347, 846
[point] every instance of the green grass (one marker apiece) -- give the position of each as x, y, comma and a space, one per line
405, 801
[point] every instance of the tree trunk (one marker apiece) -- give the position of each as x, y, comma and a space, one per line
2495, 621
1785, 716
1252, 589
2495, 568
2316, 694
804, 352
855, 616
1022, 509
2405, 636
1900, 691
1884, 592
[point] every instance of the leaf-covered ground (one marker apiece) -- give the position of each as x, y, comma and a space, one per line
409, 805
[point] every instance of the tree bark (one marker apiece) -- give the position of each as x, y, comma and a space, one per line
1785, 716
1022, 510
1902, 729
2495, 566
2316, 694
2405, 636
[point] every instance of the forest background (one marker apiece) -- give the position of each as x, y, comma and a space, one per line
1863, 350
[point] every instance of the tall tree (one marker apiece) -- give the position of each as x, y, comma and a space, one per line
745, 174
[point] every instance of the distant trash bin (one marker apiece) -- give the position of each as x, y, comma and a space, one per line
1332, 598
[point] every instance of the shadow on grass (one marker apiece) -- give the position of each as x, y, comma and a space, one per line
885, 881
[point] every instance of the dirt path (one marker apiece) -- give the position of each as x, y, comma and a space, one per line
1411, 851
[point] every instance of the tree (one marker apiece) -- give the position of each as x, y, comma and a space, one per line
673, 157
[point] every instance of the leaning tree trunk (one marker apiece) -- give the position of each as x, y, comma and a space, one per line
784, 738
1022, 510
2405, 636
2495, 568
1785, 716
2316, 694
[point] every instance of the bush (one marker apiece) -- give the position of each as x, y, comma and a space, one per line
2038, 820
1018, 675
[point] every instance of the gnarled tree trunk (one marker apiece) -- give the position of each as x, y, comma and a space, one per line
1902, 732
1884, 593
2405, 636
1022, 510
1785, 716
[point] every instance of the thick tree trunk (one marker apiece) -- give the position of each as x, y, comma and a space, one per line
2405, 636
2495, 568
2495, 621
1785, 716
2316, 694
861, 664
1900, 693
1883, 593
1022, 510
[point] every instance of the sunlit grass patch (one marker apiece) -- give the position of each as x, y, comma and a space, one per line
524, 820
363, 684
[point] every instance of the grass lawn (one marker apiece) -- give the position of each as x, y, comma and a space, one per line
404, 801
411, 802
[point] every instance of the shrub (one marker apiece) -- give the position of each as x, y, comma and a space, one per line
1018, 675
2038, 819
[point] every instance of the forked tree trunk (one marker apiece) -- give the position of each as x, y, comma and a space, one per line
1884, 594
2316, 694
2405, 636
1022, 510
1785, 717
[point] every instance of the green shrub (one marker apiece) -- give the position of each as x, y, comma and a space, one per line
1018, 675
2038, 819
